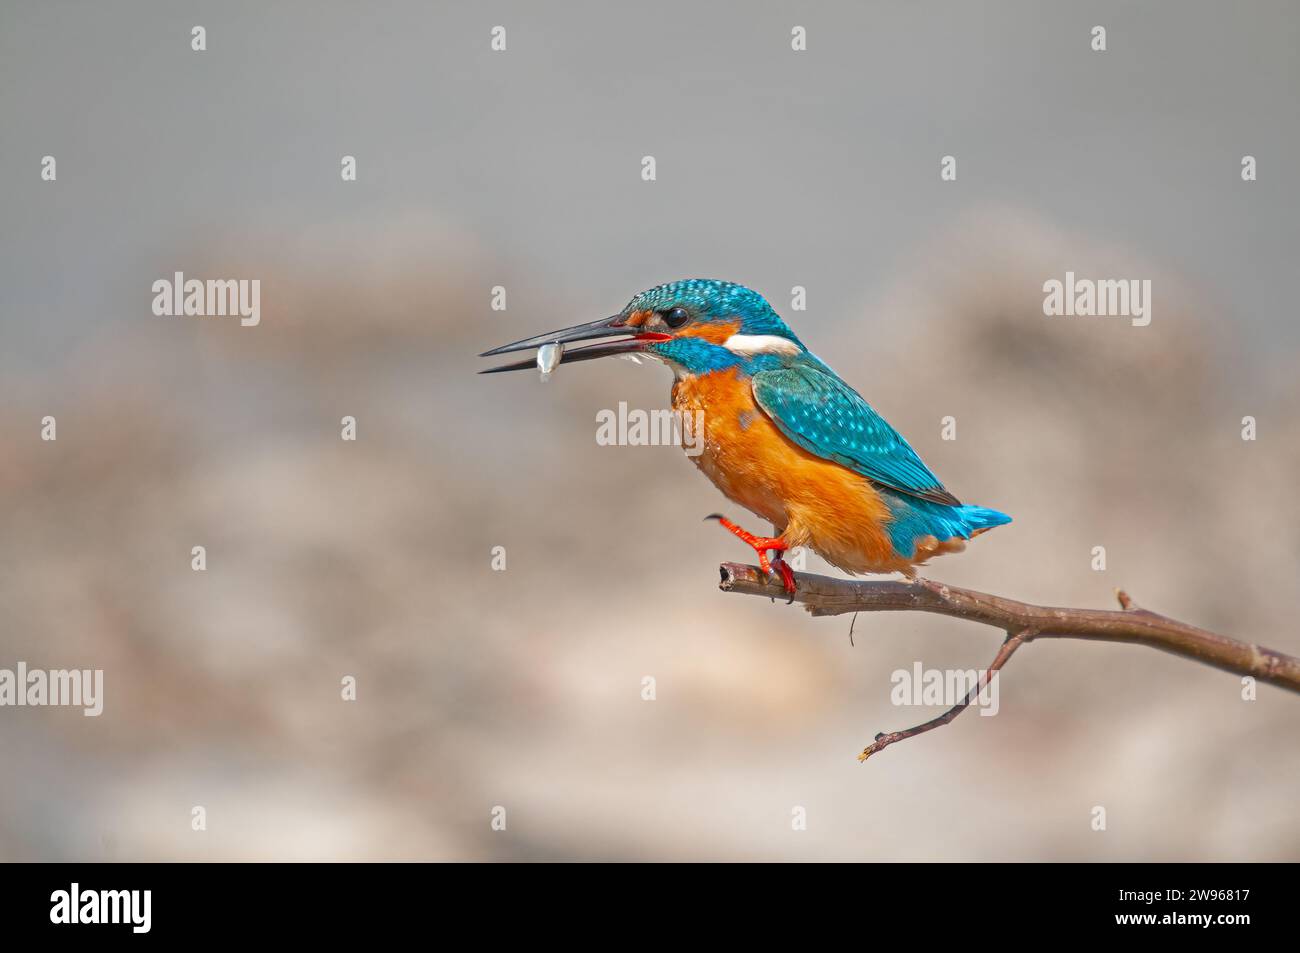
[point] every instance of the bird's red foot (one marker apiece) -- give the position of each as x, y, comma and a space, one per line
763, 545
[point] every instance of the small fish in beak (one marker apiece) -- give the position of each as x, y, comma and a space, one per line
554, 348
549, 357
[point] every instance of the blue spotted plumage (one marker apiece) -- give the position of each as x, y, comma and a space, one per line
825, 416
815, 408
709, 299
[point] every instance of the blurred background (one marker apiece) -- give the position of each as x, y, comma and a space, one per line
522, 689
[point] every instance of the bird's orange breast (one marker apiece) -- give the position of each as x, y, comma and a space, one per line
811, 501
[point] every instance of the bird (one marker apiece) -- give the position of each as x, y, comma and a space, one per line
785, 437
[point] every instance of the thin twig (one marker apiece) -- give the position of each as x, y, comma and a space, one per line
1012, 642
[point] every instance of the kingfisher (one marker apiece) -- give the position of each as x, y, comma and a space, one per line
784, 436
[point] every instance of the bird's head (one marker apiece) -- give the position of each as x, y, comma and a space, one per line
694, 326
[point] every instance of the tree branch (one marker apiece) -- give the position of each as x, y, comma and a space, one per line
823, 595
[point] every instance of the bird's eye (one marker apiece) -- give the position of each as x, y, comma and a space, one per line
676, 317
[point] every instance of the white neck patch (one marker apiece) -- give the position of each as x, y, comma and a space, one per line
747, 345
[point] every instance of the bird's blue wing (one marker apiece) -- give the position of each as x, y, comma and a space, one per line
827, 417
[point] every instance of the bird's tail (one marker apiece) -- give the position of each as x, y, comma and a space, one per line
915, 519
979, 518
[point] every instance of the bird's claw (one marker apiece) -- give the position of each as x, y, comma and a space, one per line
762, 545
787, 578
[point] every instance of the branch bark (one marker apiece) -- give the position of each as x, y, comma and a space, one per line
1023, 622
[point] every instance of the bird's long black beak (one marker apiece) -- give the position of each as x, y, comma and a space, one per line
616, 326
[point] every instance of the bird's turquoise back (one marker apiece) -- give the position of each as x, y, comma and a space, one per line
825, 416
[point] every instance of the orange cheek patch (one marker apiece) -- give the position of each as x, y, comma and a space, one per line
637, 319
712, 332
